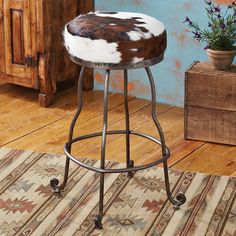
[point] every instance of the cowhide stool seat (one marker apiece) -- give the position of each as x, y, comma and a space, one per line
112, 41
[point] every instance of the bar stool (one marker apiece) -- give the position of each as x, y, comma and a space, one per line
116, 41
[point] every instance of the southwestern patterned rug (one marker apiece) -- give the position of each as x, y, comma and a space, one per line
135, 206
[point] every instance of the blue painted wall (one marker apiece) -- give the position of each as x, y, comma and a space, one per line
182, 50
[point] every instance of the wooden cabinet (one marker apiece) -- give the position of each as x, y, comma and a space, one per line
31, 43
210, 104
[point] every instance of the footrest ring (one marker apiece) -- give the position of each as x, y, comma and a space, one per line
120, 170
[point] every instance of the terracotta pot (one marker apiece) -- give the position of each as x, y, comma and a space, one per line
221, 60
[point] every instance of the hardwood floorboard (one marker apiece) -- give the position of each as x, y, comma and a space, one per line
211, 158
52, 138
26, 117
24, 125
144, 151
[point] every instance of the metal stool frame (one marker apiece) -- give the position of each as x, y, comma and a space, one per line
130, 168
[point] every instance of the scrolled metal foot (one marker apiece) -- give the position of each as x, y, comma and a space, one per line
98, 222
131, 173
54, 184
180, 200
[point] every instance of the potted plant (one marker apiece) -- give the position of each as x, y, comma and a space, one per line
220, 34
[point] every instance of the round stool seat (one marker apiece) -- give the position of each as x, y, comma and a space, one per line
115, 38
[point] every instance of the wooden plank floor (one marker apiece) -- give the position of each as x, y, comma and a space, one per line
25, 125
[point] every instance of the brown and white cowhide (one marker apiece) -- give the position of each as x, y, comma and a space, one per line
115, 37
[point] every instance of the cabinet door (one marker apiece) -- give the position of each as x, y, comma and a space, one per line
20, 41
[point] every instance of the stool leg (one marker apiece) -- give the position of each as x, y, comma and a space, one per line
154, 118
129, 163
55, 182
180, 197
98, 218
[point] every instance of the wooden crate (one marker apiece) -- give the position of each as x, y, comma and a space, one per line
210, 104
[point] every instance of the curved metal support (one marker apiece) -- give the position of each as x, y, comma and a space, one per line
55, 182
130, 168
79, 109
180, 197
127, 118
154, 113
103, 151
129, 163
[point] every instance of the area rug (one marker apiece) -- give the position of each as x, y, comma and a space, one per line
134, 206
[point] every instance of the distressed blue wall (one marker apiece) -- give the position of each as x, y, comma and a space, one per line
182, 50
